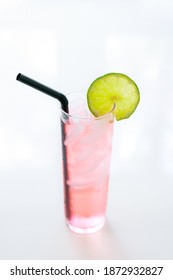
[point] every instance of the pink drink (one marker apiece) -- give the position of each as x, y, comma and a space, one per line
87, 145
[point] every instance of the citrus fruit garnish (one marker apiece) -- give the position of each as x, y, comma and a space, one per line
113, 91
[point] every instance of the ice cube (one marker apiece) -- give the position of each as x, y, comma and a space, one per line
72, 137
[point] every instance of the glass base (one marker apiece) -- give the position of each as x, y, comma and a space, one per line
86, 229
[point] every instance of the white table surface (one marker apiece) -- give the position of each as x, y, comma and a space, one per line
66, 45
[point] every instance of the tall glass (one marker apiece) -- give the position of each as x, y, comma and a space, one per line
86, 146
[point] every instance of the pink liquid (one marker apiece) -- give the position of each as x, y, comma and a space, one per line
87, 144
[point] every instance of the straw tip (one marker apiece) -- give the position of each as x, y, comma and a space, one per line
18, 76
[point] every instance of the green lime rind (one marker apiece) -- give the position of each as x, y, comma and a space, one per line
113, 90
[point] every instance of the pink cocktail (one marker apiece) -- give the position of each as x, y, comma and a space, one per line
87, 145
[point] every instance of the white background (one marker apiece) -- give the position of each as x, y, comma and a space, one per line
66, 45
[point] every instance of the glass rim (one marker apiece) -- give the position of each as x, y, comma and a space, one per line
76, 116
68, 115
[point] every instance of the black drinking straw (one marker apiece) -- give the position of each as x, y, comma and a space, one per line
64, 105
51, 92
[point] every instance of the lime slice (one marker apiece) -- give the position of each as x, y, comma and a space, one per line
113, 90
